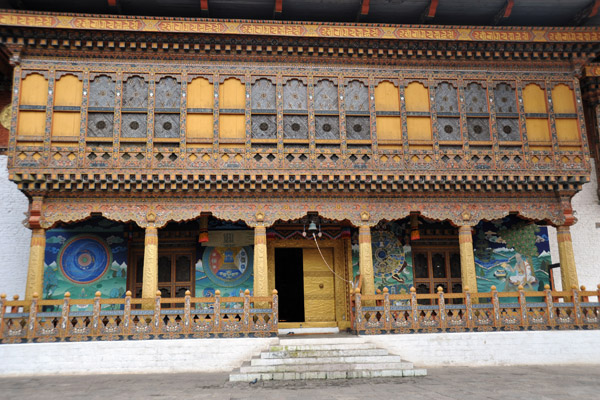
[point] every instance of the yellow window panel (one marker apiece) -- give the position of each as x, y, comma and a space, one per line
567, 130
563, 99
66, 124
537, 130
534, 99
417, 97
199, 126
68, 91
232, 127
419, 128
232, 94
200, 94
31, 123
387, 97
34, 90
389, 128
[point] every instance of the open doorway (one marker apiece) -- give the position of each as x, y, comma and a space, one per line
289, 282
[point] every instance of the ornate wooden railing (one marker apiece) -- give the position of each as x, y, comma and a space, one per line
24, 321
476, 312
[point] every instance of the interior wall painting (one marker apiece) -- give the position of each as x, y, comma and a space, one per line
509, 253
85, 258
225, 263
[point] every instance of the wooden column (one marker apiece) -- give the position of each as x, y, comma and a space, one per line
35, 272
150, 278
467, 259
366, 260
261, 275
568, 272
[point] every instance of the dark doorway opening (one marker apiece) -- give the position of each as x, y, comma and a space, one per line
289, 282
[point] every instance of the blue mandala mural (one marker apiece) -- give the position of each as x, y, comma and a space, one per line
228, 266
84, 259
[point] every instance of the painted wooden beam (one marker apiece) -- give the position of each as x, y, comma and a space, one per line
504, 12
429, 12
363, 11
589, 11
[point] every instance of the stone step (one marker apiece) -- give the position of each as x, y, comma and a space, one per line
242, 377
323, 340
324, 353
325, 360
341, 346
247, 368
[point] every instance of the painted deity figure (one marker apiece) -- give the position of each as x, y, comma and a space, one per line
523, 273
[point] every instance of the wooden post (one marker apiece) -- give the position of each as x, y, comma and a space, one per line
217, 311
246, 316
357, 310
150, 277
496, 307
35, 272
387, 315
187, 313
467, 258
261, 272
469, 306
156, 317
442, 309
31, 325
576, 306
523, 307
551, 318
275, 310
64, 323
568, 272
2, 312
95, 331
366, 259
414, 309
127, 314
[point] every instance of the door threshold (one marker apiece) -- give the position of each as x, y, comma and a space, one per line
308, 331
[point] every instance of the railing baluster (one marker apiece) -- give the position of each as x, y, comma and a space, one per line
32, 323
157, 320
2, 312
95, 331
246, 316
414, 308
551, 318
442, 309
576, 306
523, 308
187, 316
127, 314
64, 330
387, 321
217, 313
275, 312
358, 319
469, 306
495, 307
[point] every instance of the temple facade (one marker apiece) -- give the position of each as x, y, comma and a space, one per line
202, 155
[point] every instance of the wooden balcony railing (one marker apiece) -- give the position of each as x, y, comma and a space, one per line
476, 312
26, 321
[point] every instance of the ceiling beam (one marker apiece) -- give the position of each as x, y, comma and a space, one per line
429, 13
363, 10
278, 9
586, 13
204, 8
504, 12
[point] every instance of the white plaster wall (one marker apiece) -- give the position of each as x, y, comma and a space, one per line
585, 236
139, 356
494, 348
14, 237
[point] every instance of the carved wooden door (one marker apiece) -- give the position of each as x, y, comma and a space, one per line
319, 292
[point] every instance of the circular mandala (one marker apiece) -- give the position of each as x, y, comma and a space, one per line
228, 266
84, 259
388, 255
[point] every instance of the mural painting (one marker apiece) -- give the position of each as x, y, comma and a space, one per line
509, 253
225, 263
85, 258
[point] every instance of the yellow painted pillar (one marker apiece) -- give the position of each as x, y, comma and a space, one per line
467, 259
261, 272
366, 259
568, 272
35, 272
150, 277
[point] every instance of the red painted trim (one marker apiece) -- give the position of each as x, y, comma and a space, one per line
112, 3
278, 6
364, 8
204, 5
508, 8
594, 9
432, 8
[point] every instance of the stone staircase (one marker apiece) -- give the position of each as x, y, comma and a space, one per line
324, 358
